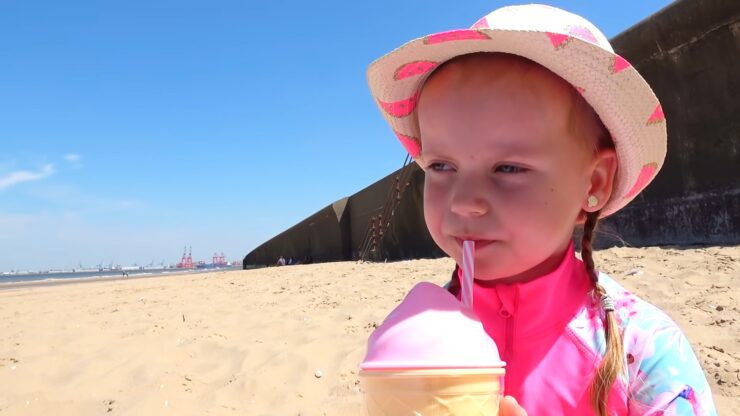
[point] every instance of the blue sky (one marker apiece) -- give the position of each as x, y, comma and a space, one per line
129, 129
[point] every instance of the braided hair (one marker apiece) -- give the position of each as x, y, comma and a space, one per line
612, 364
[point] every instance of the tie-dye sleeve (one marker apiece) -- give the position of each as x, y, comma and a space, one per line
665, 376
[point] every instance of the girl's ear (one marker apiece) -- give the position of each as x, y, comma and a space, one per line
604, 169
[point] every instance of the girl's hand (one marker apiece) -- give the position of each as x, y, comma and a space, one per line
510, 407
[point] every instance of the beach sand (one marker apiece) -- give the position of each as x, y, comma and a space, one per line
287, 341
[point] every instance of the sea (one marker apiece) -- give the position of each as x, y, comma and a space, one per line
53, 277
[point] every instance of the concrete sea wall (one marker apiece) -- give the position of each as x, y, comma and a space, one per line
689, 53
322, 237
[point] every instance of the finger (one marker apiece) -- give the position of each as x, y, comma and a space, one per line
510, 407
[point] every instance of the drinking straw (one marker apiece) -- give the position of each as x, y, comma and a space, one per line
468, 268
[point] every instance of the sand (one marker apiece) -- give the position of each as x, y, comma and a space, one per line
287, 341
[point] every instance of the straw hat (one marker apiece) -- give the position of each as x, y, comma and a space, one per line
566, 44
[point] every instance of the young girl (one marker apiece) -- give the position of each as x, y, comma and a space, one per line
528, 125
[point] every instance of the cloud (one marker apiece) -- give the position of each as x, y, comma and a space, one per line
74, 160
64, 196
15, 222
20, 176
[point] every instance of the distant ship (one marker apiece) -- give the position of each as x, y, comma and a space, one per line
204, 265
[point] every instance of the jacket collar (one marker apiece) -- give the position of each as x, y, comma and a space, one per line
539, 305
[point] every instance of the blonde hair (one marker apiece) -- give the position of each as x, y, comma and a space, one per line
613, 363
584, 123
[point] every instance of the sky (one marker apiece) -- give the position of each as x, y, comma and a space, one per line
130, 129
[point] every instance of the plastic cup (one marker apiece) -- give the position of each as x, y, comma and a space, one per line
433, 392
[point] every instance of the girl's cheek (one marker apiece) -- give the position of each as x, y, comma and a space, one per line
434, 205
434, 190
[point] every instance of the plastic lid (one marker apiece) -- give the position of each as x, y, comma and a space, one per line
430, 329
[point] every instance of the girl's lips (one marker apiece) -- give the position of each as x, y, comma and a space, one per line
478, 243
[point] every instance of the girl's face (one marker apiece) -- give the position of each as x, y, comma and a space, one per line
505, 165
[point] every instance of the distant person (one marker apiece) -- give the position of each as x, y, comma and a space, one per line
528, 125
281, 261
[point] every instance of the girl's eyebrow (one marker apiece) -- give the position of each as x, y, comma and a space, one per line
428, 154
435, 156
503, 150
519, 146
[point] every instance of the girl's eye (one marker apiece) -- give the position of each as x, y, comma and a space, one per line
510, 169
440, 167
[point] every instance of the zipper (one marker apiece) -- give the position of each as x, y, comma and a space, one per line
508, 341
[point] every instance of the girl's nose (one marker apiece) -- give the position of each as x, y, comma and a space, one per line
468, 201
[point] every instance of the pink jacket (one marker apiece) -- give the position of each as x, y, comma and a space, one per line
550, 333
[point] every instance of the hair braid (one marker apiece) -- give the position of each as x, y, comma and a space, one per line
612, 364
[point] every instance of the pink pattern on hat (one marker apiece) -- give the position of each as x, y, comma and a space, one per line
582, 32
558, 40
453, 35
619, 64
482, 23
657, 116
400, 108
411, 144
414, 68
646, 175
580, 90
